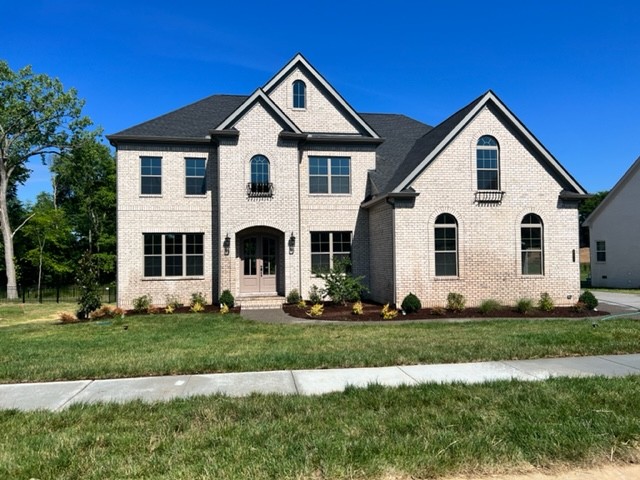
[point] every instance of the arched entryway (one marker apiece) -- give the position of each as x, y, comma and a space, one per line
260, 262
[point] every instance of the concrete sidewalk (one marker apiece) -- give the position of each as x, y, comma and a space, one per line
56, 396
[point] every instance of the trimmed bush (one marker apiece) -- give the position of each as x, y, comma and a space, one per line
294, 296
545, 303
357, 308
411, 303
226, 297
388, 313
316, 310
142, 304
455, 302
314, 294
524, 305
198, 298
340, 285
589, 300
489, 306
224, 309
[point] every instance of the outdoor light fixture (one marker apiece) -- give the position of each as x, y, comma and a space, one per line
226, 244
292, 243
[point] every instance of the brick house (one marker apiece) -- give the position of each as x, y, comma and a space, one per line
614, 232
256, 193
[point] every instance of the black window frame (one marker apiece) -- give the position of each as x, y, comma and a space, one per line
601, 251
195, 176
299, 92
173, 255
327, 175
150, 175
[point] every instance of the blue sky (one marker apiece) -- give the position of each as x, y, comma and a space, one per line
570, 70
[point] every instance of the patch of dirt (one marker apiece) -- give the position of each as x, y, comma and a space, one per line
608, 472
371, 312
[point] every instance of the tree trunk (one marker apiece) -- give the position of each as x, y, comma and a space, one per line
7, 238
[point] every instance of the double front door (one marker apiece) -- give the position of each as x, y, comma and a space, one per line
259, 264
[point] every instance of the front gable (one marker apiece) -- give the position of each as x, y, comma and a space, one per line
320, 109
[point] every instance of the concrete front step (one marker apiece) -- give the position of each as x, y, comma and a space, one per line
260, 303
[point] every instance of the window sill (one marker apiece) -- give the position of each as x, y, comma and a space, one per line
446, 277
150, 195
330, 195
187, 195
156, 279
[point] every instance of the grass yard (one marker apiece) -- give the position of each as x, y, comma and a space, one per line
426, 431
199, 343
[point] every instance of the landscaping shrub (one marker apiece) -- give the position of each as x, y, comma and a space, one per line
357, 308
388, 313
314, 294
87, 277
302, 304
198, 298
524, 305
579, 307
438, 311
589, 300
226, 297
316, 310
142, 304
105, 311
174, 302
66, 317
340, 284
411, 303
294, 296
197, 307
224, 309
545, 303
489, 306
169, 309
455, 302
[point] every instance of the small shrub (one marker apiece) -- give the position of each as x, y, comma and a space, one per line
411, 303
174, 302
142, 304
226, 297
196, 307
294, 296
579, 307
118, 312
455, 302
198, 298
388, 313
316, 310
169, 309
589, 300
66, 317
224, 309
438, 311
302, 304
105, 311
524, 306
489, 306
340, 285
314, 294
545, 303
357, 308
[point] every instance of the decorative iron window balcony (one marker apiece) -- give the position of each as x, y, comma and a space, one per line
260, 189
489, 196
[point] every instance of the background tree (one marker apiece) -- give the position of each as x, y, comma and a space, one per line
37, 117
584, 210
51, 240
84, 180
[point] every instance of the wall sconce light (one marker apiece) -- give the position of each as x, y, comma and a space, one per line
226, 244
292, 243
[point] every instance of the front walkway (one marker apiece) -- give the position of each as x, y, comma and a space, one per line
56, 396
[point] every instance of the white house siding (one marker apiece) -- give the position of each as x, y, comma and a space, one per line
488, 235
617, 223
258, 136
170, 212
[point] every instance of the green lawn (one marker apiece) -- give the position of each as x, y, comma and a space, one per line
426, 431
198, 343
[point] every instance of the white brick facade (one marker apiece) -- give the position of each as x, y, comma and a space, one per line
391, 238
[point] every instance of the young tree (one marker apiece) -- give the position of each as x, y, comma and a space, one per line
37, 117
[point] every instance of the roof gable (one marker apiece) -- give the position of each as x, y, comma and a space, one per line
427, 148
629, 176
301, 63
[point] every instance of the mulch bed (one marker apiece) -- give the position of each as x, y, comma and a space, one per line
183, 309
371, 312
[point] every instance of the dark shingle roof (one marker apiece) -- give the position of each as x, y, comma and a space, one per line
193, 121
400, 134
425, 145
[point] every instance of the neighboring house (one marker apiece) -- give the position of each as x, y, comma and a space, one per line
614, 232
256, 193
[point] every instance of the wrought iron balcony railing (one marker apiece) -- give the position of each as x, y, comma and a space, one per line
259, 189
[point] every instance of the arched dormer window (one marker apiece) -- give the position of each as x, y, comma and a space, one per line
532, 245
488, 163
299, 94
446, 245
260, 185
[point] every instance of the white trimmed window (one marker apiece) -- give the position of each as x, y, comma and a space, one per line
299, 94
532, 241
173, 254
330, 175
601, 251
488, 163
326, 247
446, 245
151, 175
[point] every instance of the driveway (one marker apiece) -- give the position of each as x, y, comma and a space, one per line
615, 302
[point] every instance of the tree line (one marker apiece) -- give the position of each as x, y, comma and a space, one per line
44, 241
